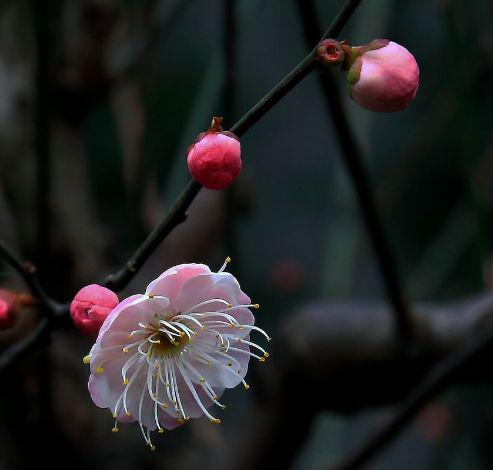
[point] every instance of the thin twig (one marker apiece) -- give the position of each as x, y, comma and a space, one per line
442, 375
177, 212
175, 216
360, 179
15, 352
28, 272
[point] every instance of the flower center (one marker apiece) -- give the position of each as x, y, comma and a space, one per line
165, 345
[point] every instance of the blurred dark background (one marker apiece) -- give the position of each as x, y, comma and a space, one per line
99, 100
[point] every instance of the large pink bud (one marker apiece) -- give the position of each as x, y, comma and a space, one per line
383, 77
91, 306
214, 160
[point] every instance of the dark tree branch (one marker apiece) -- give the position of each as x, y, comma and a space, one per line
175, 216
51, 309
341, 363
177, 212
441, 376
42, 14
360, 179
28, 273
39, 336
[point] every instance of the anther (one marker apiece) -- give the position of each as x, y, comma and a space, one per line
115, 429
160, 430
215, 420
86, 359
246, 386
99, 370
125, 350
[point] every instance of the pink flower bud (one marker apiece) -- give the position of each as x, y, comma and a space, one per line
91, 306
214, 160
10, 303
383, 77
6, 315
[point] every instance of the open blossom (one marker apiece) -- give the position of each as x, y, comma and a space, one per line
167, 355
384, 77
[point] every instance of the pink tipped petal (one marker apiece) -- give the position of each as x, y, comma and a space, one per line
171, 281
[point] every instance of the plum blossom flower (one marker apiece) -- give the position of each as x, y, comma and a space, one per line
167, 355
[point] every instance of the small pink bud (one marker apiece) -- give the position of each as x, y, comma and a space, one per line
91, 306
214, 160
6, 315
383, 77
10, 303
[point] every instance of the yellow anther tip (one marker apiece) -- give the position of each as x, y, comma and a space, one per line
153, 448
246, 386
125, 381
127, 413
266, 354
86, 359
256, 305
125, 350
99, 370
227, 260
262, 359
160, 430
115, 415
115, 429
216, 421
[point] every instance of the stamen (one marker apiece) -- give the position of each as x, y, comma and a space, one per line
174, 385
207, 302
254, 345
226, 262
187, 317
194, 393
141, 401
243, 351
